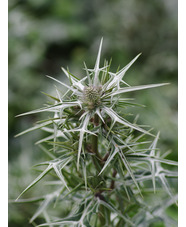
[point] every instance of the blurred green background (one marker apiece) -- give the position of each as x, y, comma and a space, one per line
45, 35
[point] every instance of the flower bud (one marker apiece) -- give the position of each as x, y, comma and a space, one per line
92, 97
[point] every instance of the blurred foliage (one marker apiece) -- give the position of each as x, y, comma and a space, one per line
45, 35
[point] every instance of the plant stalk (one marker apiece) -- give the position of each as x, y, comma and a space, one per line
95, 138
97, 159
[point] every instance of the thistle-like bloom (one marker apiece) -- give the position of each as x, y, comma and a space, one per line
95, 94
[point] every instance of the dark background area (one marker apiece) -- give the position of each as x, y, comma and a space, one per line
46, 35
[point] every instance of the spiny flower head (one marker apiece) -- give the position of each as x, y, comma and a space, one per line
92, 97
96, 94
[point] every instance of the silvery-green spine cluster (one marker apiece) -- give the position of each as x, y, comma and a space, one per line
103, 162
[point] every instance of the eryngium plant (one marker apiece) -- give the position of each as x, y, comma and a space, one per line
107, 171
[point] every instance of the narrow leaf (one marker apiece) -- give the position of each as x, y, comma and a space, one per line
96, 68
117, 77
65, 85
109, 160
129, 170
134, 88
36, 180
34, 128
113, 209
120, 120
41, 208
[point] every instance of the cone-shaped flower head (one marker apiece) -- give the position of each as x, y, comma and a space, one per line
92, 97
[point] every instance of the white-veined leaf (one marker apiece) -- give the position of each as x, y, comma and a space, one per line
147, 157
113, 209
84, 172
82, 216
42, 207
117, 77
133, 88
75, 83
109, 159
47, 218
96, 68
88, 75
36, 180
57, 165
82, 130
122, 121
53, 108
98, 112
65, 85
127, 166
34, 128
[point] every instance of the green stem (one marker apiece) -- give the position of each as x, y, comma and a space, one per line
95, 138
102, 216
98, 162
95, 145
97, 159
